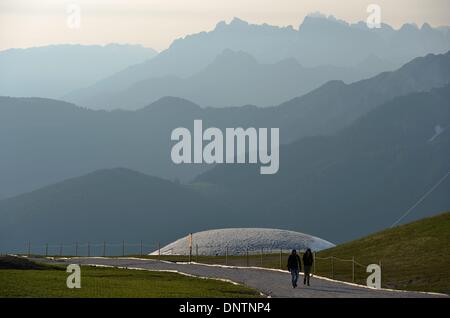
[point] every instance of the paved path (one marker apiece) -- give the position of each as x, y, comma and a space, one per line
273, 283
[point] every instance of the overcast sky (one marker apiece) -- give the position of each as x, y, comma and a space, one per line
156, 23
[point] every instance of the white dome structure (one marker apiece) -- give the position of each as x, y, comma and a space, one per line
237, 240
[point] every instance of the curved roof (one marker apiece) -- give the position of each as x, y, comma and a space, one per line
215, 242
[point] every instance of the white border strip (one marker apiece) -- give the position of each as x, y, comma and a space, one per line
319, 277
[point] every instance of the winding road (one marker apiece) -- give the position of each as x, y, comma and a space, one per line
273, 283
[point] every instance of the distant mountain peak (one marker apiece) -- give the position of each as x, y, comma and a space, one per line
316, 14
220, 25
109, 173
230, 56
235, 23
317, 19
408, 27
335, 84
238, 22
421, 62
115, 170
170, 102
426, 27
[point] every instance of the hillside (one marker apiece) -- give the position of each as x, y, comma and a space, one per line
352, 45
337, 187
111, 204
357, 181
232, 79
70, 141
335, 105
54, 70
414, 256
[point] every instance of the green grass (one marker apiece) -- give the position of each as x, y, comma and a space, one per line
415, 256
112, 282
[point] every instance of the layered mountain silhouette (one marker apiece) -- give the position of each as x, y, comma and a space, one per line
358, 181
352, 45
103, 205
338, 187
55, 70
45, 141
355, 42
232, 79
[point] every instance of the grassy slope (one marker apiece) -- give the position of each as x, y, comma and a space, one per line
415, 256
108, 282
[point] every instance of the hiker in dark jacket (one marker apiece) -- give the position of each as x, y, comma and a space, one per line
294, 267
308, 260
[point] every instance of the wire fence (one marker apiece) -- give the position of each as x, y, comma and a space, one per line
90, 249
269, 257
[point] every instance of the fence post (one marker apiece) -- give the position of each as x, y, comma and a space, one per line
262, 253
353, 269
29, 249
76, 249
159, 251
246, 256
89, 249
60, 250
46, 249
281, 258
314, 263
196, 253
104, 248
332, 267
123, 248
141, 248
190, 254
381, 274
226, 256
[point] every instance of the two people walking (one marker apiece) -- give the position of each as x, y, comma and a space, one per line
295, 266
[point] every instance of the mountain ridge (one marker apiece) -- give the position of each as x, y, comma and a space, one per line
54, 70
365, 175
140, 140
233, 78
100, 204
338, 187
188, 55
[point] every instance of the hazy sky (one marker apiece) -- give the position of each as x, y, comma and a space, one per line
156, 23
